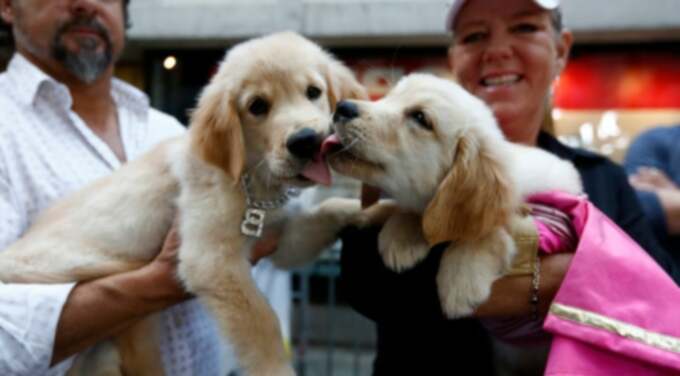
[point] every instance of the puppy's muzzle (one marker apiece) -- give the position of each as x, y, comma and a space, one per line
345, 111
305, 143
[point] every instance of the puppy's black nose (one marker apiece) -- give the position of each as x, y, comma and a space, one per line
345, 111
304, 143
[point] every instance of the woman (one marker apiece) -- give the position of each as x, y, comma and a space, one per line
508, 53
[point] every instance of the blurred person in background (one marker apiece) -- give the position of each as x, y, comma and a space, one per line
508, 53
653, 165
66, 122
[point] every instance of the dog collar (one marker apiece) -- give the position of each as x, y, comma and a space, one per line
256, 210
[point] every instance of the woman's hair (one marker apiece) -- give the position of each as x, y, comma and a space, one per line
126, 14
556, 19
548, 124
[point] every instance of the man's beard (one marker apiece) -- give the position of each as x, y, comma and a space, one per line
87, 64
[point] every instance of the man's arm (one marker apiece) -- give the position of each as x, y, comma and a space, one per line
120, 300
97, 309
45, 323
657, 183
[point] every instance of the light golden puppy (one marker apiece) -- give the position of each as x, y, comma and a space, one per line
253, 136
438, 152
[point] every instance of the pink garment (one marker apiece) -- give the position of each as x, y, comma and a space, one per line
617, 312
548, 240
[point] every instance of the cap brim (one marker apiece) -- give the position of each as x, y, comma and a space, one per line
457, 5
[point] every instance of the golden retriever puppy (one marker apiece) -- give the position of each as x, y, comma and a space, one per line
438, 152
254, 135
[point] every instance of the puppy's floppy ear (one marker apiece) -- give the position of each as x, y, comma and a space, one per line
216, 133
342, 84
474, 198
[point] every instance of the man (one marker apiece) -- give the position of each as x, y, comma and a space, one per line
66, 121
653, 165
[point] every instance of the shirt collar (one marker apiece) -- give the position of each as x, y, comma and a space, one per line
130, 97
28, 79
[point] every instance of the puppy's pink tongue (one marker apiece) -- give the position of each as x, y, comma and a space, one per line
331, 142
317, 170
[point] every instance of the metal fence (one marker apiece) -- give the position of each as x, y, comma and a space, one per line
329, 338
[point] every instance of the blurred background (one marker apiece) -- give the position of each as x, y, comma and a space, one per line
623, 77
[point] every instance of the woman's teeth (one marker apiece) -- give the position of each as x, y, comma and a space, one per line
505, 79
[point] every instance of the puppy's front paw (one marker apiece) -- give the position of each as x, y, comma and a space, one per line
402, 257
343, 210
461, 290
467, 271
401, 243
377, 214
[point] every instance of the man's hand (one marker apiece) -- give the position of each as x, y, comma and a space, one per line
369, 195
651, 179
656, 181
163, 269
119, 301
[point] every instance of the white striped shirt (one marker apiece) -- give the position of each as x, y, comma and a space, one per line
47, 151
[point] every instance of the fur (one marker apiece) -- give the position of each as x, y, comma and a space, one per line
438, 151
119, 222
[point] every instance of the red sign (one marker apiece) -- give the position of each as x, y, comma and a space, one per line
620, 81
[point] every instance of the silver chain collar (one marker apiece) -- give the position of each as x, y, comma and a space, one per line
274, 203
253, 220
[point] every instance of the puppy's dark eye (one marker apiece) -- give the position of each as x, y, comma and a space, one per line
421, 119
313, 92
258, 107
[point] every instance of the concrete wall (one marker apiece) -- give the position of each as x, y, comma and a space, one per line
375, 22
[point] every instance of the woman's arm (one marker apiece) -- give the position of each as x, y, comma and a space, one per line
511, 296
384, 295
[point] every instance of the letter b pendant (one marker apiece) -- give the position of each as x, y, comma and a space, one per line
253, 222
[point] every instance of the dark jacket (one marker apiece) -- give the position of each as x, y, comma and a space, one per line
414, 338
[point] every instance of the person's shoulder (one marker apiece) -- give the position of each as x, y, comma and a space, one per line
8, 104
551, 144
658, 135
661, 130
133, 99
161, 121
5, 90
589, 162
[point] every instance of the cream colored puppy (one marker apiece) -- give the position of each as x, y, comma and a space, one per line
253, 135
438, 151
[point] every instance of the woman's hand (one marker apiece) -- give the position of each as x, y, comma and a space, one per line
511, 296
264, 247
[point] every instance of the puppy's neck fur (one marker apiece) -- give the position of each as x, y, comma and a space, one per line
262, 188
411, 200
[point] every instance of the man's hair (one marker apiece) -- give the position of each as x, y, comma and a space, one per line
6, 37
